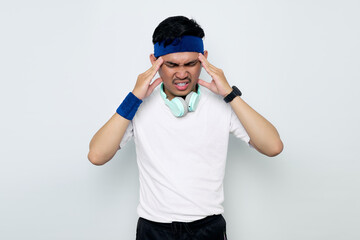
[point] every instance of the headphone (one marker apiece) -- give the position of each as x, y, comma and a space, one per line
180, 107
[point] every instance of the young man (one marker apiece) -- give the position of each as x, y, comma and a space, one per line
181, 127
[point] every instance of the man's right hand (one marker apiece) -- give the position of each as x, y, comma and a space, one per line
143, 87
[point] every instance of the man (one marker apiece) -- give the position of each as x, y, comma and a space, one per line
181, 126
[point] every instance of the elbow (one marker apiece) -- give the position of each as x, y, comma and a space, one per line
96, 159
101, 158
276, 149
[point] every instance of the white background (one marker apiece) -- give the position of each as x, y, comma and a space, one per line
67, 65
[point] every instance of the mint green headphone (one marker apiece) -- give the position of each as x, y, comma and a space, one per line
178, 106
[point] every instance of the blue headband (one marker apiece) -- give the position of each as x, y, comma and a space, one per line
183, 44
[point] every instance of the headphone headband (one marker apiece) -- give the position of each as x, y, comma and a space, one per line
180, 107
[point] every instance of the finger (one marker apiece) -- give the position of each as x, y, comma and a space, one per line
154, 68
157, 64
205, 63
159, 61
204, 60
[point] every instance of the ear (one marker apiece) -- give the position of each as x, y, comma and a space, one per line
205, 53
152, 58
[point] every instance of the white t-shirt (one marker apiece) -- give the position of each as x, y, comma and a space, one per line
181, 161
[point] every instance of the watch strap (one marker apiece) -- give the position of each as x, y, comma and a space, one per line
235, 92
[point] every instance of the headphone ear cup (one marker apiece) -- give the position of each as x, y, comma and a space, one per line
192, 100
180, 107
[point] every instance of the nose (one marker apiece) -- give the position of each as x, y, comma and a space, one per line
181, 73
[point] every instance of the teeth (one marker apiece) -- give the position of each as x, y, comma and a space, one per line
181, 84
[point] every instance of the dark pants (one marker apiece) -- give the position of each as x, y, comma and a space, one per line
209, 228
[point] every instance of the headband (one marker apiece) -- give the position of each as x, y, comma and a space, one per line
183, 44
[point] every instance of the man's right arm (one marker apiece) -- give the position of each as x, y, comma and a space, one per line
106, 141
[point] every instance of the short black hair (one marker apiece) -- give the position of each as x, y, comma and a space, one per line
176, 27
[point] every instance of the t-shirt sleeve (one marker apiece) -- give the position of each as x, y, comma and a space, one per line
238, 129
129, 133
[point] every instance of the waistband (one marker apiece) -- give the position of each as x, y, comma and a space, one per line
193, 225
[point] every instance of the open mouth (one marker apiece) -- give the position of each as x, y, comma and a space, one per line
181, 86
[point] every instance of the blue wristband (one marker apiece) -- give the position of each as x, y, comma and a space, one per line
129, 106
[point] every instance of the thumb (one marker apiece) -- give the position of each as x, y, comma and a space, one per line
204, 83
155, 83
152, 86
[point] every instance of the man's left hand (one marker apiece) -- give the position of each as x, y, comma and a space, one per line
219, 84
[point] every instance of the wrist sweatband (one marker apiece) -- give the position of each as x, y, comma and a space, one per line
183, 44
129, 106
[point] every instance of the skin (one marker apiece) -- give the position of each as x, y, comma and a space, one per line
263, 135
185, 66
179, 67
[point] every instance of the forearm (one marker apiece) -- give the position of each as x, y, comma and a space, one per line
106, 141
263, 135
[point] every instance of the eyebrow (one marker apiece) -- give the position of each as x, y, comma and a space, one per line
186, 64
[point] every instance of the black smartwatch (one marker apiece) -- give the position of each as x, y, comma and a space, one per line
235, 92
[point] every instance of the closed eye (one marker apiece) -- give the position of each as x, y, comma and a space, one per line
189, 64
192, 63
171, 65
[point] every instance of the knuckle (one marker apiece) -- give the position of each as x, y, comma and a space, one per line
141, 76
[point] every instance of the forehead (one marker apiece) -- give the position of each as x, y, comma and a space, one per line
181, 57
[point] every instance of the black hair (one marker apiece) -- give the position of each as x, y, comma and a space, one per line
176, 27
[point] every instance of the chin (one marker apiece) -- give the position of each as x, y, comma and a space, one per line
185, 93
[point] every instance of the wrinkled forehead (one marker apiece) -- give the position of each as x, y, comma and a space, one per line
181, 57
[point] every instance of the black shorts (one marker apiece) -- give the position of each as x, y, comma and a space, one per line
209, 228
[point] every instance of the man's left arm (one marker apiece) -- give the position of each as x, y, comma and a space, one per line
263, 135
